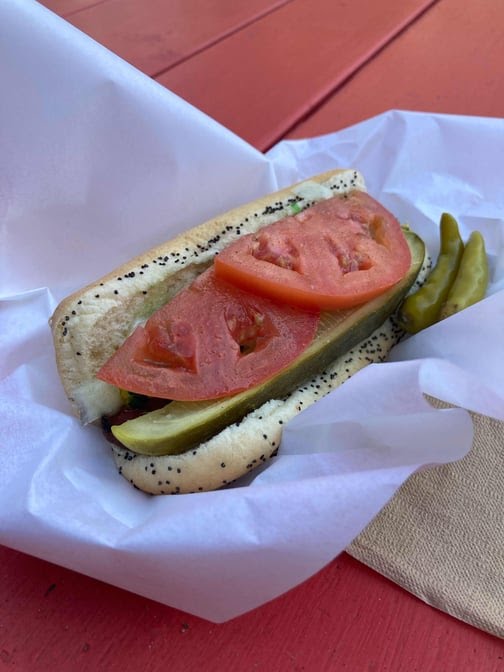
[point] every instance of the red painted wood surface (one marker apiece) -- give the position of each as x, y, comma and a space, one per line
261, 81
154, 35
67, 7
449, 61
344, 618
258, 82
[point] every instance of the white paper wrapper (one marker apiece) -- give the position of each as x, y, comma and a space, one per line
99, 163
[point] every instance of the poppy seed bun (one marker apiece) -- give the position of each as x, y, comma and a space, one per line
92, 323
247, 444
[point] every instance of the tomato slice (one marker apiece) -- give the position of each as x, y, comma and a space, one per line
338, 253
212, 340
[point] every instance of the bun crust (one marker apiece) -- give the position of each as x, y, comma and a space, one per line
89, 325
243, 446
92, 323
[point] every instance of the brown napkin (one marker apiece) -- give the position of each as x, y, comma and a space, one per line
442, 536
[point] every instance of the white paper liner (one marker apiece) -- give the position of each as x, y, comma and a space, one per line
99, 163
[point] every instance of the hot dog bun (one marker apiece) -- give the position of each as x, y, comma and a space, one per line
244, 446
92, 323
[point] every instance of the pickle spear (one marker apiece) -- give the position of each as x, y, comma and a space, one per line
180, 426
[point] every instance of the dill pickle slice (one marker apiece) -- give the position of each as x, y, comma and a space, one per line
180, 426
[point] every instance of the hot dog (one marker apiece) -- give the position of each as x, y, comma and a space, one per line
90, 326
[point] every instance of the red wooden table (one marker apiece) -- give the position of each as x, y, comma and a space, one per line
268, 70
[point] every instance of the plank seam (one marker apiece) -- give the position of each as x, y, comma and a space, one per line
83, 9
222, 37
324, 97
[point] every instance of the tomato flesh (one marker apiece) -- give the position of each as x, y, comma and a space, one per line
212, 340
339, 253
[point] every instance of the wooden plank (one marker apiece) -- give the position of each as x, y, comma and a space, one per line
262, 80
154, 35
53, 619
67, 7
449, 61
